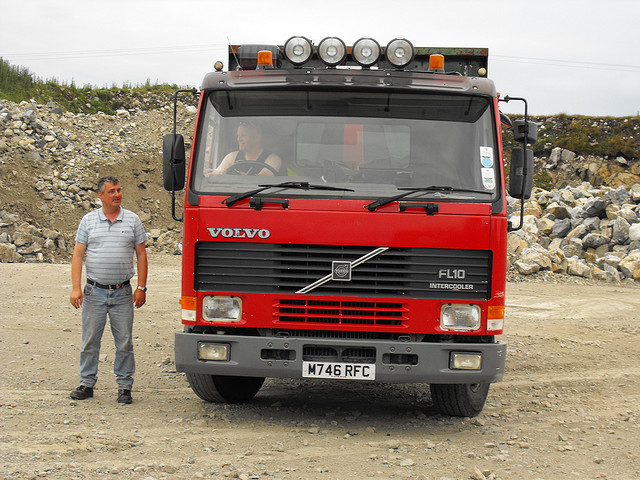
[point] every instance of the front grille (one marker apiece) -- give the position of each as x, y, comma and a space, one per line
338, 312
339, 354
284, 269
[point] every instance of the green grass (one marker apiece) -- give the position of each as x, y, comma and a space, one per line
17, 84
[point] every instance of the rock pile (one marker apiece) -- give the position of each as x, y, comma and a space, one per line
20, 241
563, 167
586, 231
50, 162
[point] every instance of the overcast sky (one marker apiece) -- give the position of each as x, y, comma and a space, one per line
564, 56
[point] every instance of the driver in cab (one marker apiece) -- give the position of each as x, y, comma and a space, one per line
250, 158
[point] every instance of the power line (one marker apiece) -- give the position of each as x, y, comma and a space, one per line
567, 63
109, 53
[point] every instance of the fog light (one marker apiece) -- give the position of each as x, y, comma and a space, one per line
460, 317
366, 52
465, 361
400, 52
212, 351
298, 50
221, 309
332, 51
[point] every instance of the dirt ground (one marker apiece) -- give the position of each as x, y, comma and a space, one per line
568, 407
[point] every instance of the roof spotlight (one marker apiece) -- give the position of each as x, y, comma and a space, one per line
366, 52
298, 50
332, 51
400, 52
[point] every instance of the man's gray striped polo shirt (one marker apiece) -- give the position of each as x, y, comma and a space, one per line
110, 246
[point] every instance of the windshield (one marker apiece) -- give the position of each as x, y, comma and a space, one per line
372, 144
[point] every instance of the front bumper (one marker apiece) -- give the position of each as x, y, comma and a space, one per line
253, 357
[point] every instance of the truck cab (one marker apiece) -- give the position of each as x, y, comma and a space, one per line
345, 218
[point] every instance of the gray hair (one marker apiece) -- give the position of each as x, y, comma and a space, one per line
108, 179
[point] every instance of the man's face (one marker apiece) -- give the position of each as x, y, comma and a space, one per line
111, 196
248, 138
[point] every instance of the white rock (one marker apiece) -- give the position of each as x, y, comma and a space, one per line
634, 232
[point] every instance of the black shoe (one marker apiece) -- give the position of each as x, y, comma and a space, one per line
82, 392
124, 396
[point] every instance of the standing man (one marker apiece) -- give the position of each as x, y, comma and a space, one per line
109, 236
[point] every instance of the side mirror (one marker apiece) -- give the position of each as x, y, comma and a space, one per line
173, 161
525, 132
505, 120
521, 173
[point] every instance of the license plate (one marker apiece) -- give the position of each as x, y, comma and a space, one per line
347, 371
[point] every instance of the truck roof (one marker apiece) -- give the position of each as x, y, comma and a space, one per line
341, 78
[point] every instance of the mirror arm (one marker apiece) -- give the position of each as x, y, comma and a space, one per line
193, 91
524, 142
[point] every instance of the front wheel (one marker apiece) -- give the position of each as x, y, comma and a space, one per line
224, 389
459, 400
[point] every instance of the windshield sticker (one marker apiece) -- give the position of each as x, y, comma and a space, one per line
488, 178
486, 157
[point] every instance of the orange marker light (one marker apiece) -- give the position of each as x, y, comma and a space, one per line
495, 312
188, 303
265, 59
436, 63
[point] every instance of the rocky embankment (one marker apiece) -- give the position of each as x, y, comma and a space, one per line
585, 222
584, 231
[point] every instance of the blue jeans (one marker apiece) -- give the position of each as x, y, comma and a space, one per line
96, 304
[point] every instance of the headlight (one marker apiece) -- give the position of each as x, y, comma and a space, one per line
332, 51
366, 52
298, 50
460, 317
400, 52
221, 309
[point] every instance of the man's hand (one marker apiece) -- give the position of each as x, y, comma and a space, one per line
76, 297
76, 274
139, 297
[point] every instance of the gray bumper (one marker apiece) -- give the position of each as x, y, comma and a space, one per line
247, 358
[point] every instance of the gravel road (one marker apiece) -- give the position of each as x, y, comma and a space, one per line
568, 407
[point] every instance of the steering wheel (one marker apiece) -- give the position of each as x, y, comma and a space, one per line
245, 166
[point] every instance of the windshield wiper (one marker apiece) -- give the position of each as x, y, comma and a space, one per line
410, 190
229, 201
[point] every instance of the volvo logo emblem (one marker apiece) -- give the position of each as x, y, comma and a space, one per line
216, 232
341, 271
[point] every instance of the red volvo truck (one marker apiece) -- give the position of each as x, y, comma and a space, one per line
345, 218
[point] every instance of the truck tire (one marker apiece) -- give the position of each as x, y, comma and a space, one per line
459, 400
224, 389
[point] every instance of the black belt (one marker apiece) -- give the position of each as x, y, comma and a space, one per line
108, 287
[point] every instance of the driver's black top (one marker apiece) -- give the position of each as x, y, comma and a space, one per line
241, 157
